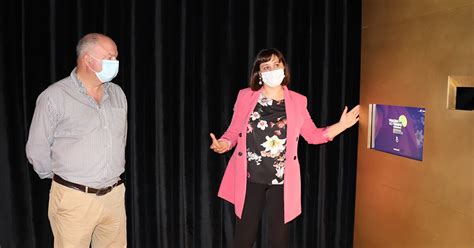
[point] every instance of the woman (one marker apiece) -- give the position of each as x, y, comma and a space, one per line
264, 171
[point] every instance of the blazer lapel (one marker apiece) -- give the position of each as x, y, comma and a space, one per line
290, 115
253, 102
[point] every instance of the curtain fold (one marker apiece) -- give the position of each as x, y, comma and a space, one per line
182, 64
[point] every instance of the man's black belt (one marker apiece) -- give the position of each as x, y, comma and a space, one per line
86, 189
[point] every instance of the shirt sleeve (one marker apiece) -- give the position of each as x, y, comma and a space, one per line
40, 139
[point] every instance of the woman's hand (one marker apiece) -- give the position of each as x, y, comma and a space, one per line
348, 119
219, 146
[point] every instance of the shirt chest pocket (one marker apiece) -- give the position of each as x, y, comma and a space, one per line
118, 121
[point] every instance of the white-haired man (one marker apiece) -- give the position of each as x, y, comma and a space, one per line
77, 137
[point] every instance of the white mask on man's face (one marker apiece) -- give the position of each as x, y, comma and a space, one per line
273, 78
109, 70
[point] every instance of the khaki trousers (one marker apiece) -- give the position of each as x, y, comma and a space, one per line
80, 219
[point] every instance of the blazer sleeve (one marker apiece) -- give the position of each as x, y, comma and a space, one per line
310, 132
232, 133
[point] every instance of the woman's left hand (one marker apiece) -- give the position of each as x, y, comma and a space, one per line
348, 119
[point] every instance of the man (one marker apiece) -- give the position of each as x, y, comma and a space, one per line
77, 137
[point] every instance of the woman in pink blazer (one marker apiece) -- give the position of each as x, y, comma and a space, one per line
264, 171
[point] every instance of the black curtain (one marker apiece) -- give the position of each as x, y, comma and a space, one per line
181, 66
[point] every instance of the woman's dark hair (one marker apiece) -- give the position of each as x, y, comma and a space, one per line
263, 56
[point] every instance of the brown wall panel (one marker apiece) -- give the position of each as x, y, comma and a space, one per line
409, 48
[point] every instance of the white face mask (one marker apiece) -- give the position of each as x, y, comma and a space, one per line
273, 78
109, 70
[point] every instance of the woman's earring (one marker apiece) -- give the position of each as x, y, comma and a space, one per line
260, 80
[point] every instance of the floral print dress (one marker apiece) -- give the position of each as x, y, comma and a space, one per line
266, 142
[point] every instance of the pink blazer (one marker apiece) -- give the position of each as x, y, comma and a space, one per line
234, 182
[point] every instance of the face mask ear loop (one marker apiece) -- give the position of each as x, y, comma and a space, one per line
89, 62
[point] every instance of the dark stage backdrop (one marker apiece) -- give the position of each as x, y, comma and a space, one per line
181, 66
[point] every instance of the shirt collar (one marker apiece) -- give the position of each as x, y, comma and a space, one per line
81, 87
